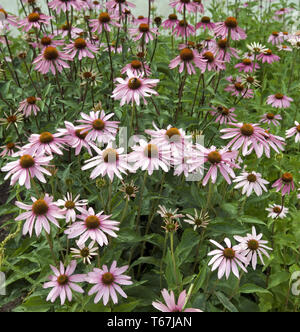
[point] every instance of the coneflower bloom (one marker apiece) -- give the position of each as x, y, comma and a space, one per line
211, 62
34, 20
85, 252
28, 106
104, 22
169, 214
63, 282
137, 68
279, 101
11, 119
179, 5
247, 66
268, 56
230, 27
277, 211
133, 88
38, 215
92, 226
284, 48
249, 182
8, 149
198, 220
294, 131
181, 161
170, 22
205, 23
252, 246
171, 305
222, 49
129, 190
245, 135
69, 206
11, 19
150, 157
67, 29
97, 127
109, 162
186, 60
256, 48
107, 282
285, 184
227, 260
276, 38
271, 118
113, 47
45, 143
143, 31
183, 29
27, 167
140, 19
239, 90
64, 5
51, 59
275, 142
82, 47
114, 5
48, 40
250, 80
224, 115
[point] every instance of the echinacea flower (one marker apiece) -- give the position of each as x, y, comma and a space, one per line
63, 282
92, 226
114, 5
294, 131
198, 219
84, 252
268, 56
277, 211
275, 38
11, 119
170, 22
247, 66
230, 28
82, 47
64, 5
256, 48
275, 142
181, 5
34, 20
38, 215
103, 22
224, 115
205, 23
186, 59
284, 48
28, 106
249, 80
48, 40
8, 149
271, 118
171, 305
129, 190
222, 50
211, 62
249, 182
143, 31
227, 260
51, 59
238, 89
133, 88
279, 101
183, 29
107, 282
69, 206
137, 68
26, 168
285, 184
169, 214
68, 30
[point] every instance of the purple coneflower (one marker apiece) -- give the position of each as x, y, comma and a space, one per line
82, 47
8, 149
137, 68
285, 184
279, 101
34, 20
183, 29
230, 28
69, 206
247, 66
186, 59
224, 115
294, 131
143, 31
28, 106
268, 56
170, 22
271, 118
206, 23
276, 38
249, 182
277, 211
104, 22
65, 5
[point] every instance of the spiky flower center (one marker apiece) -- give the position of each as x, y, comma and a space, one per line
186, 55
275, 33
183, 23
10, 146
151, 151
110, 155
209, 57
174, 134
247, 62
80, 134
277, 209
141, 17
134, 83
224, 111
120, 1
144, 27
239, 86
270, 116
247, 129
129, 190
33, 17
46, 41
229, 253
87, 75
104, 17
173, 17
253, 245
250, 79
298, 128
46, 137
40, 207
214, 157
287, 177
136, 64
66, 27
268, 52
205, 19
252, 178
80, 43
85, 252
69, 205
92, 222
98, 124
108, 278
26, 161
231, 22
279, 96
51, 53
4, 12
31, 100
185, 1
63, 279
222, 43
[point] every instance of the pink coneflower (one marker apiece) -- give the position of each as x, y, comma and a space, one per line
107, 282
275, 142
294, 131
48, 40
28, 106
150, 157
247, 66
65, 5
170, 22
109, 162
211, 62
205, 23
271, 118
285, 184
34, 20
82, 47
69, 206
223, 114
249, 182
143, 31
51, 59
103, 22
276, 38
251, 246
63, 282
67, 29
221, 160
238, 89
223, 50
137, 68
279, 101
27, 167
8, 149
39, 214
245, 135
227, 259
85, 252
284, 48
277, 211
92, 226
113, 47
230, 27
75, 138
45, 143
268, 57
133, 88
183, 29
11, 19
283, 11
171, 305
140, 20
114, 5
179, 5
181, 161
186, 59
97, 126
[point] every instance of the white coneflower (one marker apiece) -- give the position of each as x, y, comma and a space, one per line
249, 182
198, 220
168, 214
250, 80
256, 48
70, 205
85, 252
277, 211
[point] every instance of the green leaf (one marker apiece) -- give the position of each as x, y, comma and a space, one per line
251, 288
226, 303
